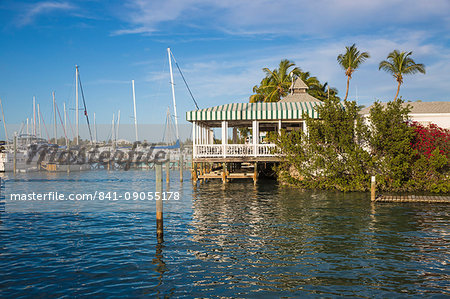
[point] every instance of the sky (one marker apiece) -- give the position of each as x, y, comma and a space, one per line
221, 47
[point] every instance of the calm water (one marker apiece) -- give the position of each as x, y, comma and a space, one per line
238, 241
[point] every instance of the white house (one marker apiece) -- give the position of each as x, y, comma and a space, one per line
425, 113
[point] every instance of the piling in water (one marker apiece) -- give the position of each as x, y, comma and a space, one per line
181, 167
159, 203
168, 171
224, 173
255, 173
372, 188
194, 172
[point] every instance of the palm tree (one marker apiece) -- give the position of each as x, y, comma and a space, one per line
260, 94
399, 64
277, 82
350, 61
310, 81
321, 91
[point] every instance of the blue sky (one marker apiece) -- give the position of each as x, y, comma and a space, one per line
220, 45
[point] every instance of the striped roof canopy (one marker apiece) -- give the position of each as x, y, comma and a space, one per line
255, 111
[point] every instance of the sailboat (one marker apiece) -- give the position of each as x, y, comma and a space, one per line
177, 144
70, 165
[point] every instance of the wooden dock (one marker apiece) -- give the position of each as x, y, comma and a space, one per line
225, 171
413, 198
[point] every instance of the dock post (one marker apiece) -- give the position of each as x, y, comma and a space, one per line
15, 153
224, 173
159, 203
372, 188
168, 171
181, 167
195, 174
255, 173
202, 171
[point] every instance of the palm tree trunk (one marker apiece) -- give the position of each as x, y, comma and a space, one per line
348, 83
398, 89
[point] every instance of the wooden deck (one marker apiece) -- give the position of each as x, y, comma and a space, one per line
220, 175
225, 171
413, 198
237, 159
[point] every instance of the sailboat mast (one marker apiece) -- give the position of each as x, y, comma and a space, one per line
39, 121
76, 102
117, 128
65, 123
134, 105
4, 123
112, 131
95, 130
173, 93
34, 115
54, 114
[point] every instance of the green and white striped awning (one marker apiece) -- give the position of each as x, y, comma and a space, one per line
255, 111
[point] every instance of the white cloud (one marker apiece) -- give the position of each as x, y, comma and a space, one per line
313, 34
40, 8
225, 78
286, 17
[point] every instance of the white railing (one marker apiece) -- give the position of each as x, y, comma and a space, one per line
208, 150
266, 150
239, 150
234, 150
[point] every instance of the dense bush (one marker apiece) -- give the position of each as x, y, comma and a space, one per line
390, 145
331, 155
432, 162
341, 151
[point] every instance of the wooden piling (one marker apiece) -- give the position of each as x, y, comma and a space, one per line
255, 173
181, 167
159, 203
372, 188
168, 171
224, 173
194, 172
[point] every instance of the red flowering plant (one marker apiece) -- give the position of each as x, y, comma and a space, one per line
431, 171
431, 137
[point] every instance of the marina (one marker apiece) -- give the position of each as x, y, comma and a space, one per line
261, 238
224, 149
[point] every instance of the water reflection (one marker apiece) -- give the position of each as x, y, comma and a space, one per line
237, 240
160, 267
303, 241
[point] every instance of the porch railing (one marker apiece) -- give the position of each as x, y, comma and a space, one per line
234, 150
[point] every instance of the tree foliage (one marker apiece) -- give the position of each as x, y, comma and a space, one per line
390, 144
341, 150
275, 85
432, 165
399, 64
350, 61
331, 155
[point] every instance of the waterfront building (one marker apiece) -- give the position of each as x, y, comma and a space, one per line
425, 113
260, 118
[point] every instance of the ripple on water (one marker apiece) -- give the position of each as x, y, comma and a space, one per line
232, 241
